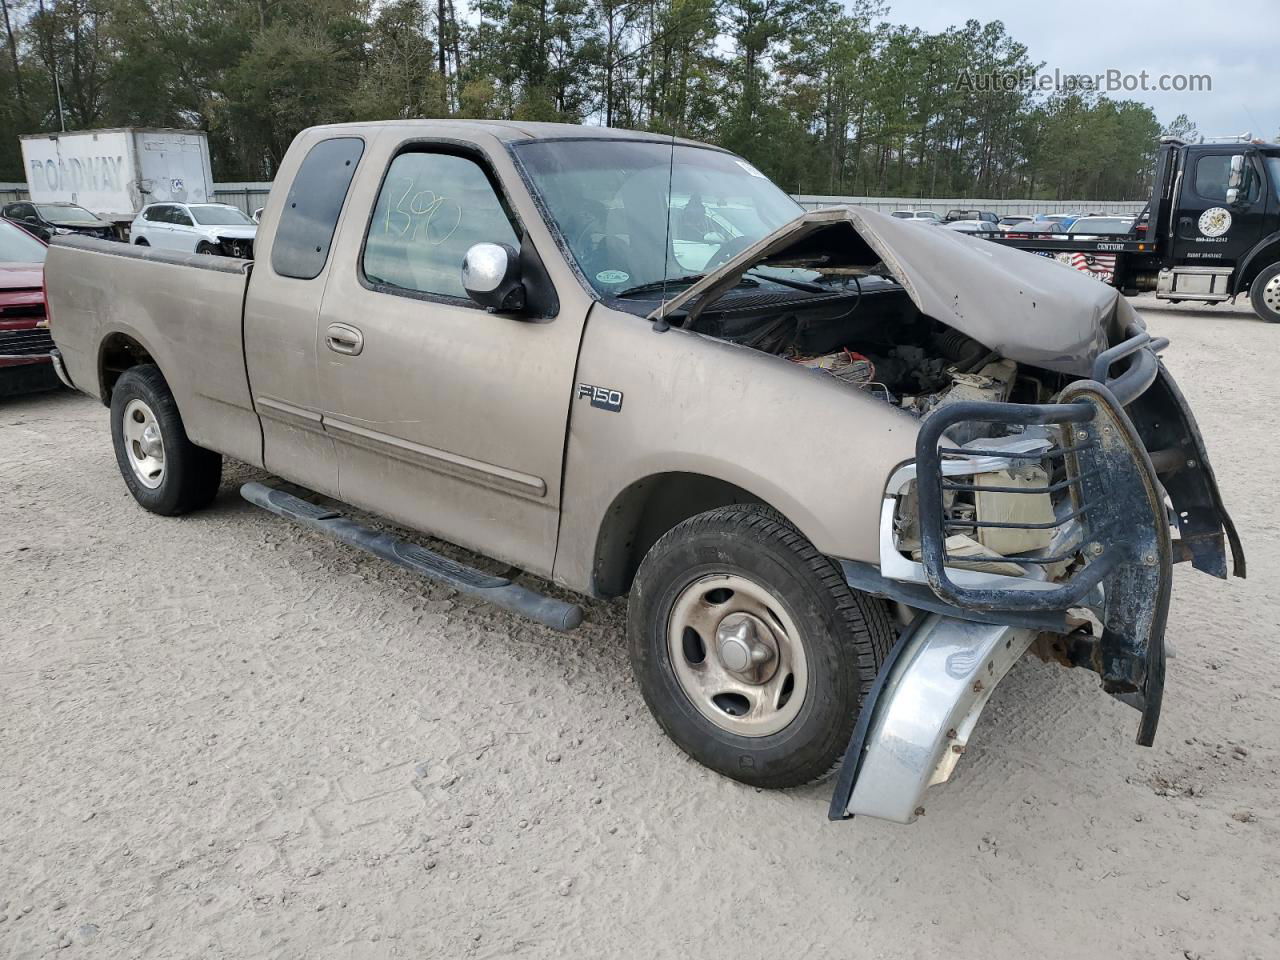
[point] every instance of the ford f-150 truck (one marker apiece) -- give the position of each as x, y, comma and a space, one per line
847, 471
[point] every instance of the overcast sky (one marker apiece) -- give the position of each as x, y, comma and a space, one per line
1233, 42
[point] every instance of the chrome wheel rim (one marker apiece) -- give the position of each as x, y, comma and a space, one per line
143, 444
1271, 294
737, 655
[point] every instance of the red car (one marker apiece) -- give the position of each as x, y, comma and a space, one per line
25, 343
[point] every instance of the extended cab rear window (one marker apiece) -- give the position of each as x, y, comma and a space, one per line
310, 214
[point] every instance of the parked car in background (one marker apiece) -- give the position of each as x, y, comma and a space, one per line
1058, 222
925, 216
1096, 226
46, 220
972, 226
24, 338
958, 214
1012, 222
214, 228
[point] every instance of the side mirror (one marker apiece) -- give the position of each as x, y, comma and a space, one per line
1236, 177
491, 277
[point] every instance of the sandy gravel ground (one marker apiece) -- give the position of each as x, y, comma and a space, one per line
224, 737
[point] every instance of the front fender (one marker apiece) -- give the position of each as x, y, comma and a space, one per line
817, 450
1263, 253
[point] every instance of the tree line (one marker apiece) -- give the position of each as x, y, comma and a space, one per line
825, 97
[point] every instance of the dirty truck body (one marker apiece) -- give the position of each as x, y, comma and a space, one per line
845, 470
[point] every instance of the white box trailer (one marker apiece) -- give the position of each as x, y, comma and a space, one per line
115, 173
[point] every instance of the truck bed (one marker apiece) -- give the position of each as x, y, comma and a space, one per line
184, 311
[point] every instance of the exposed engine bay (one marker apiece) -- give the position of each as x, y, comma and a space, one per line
864, 332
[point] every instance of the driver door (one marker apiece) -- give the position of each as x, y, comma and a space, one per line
446, 417
1210, 231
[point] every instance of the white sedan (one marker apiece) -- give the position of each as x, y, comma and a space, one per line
214, 228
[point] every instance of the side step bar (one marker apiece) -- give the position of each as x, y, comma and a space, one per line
498, 591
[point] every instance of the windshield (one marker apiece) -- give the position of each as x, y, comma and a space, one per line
218, 215
70, 213
610, 200
18, 246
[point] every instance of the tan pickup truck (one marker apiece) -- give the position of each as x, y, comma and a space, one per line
847, 468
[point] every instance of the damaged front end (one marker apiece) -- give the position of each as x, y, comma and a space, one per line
1053, 465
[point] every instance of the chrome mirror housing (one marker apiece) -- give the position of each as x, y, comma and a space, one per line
491, 277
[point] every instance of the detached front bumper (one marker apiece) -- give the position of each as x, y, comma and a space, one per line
1115, 569
925, 706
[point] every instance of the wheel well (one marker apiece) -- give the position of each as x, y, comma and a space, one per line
1258, 261
643, 512
118, 353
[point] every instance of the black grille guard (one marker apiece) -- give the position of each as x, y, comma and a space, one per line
1117, 500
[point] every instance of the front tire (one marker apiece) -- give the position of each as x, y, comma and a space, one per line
1264, 294
750, 648
207, 249
166, 473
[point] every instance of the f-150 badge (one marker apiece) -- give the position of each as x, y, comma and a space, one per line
1215, 221
606, 398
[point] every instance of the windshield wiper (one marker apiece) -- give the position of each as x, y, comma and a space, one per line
659, 284
788, 282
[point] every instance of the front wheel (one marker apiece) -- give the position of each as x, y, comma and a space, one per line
1264, 294
207, 249
750, 648
163, 469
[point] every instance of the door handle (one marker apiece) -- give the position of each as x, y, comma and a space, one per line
344, 338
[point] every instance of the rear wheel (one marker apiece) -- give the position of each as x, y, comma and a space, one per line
163, 469
1264, 294
142, 242
751, 651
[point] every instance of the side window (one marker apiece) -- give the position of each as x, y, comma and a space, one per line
432, 208
310, 215
1211, 176
151, 214
179, 217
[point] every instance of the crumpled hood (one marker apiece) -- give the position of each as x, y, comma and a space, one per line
1031, 309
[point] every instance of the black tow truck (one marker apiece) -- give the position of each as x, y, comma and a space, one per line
1210, 232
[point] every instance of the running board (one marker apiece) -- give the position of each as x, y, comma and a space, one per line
498, 591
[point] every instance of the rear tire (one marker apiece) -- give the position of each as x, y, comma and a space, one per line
1264, 294
166, 473
744, 572
141, 242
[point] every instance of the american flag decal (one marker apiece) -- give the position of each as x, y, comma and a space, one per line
1100, 266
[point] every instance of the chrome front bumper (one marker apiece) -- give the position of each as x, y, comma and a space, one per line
60, 368
920, 713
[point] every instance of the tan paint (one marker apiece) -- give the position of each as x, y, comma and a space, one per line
454, 420
188, 320
817, 450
